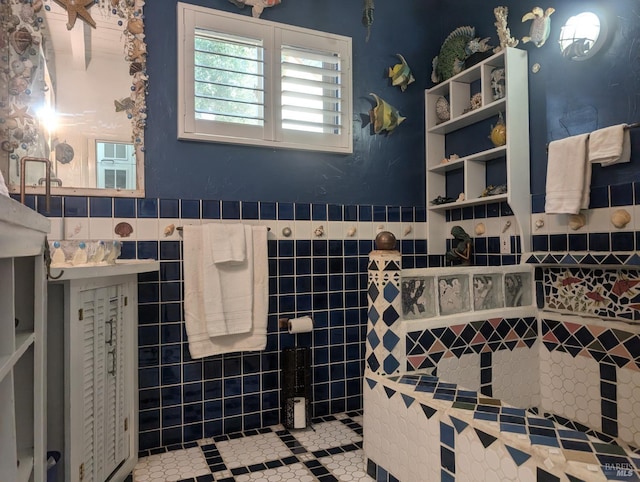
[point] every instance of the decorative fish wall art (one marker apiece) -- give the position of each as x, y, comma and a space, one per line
258, 5
400, 74
540, 25
384, 117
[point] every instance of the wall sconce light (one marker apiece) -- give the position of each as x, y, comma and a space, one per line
582, 36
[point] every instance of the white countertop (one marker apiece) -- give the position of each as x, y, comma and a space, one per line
19, 215
122, 267
22, 230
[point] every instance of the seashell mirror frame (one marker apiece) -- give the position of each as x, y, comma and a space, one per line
24, 130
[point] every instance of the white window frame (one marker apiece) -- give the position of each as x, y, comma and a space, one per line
273, 36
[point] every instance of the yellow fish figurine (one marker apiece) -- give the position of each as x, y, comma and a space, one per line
400, 74
384, 116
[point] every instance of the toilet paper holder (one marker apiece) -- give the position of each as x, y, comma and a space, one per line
283, 323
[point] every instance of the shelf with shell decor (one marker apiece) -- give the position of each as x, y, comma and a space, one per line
456, 111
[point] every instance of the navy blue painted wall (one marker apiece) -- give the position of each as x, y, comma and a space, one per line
566, 98
389, 169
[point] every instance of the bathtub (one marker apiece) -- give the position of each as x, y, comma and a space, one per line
493, 389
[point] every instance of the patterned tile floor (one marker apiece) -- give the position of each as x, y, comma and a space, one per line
330, 450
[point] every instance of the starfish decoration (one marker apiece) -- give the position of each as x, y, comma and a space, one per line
77, 8
20, 114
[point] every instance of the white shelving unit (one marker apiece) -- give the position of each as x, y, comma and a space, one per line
515, 109
22, 343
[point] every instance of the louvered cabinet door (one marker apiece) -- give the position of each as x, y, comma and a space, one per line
116, 442
86, 386
99, 396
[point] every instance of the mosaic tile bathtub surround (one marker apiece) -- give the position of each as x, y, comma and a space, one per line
473, 437
604, 293
581, 371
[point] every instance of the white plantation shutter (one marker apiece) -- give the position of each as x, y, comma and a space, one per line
248, 81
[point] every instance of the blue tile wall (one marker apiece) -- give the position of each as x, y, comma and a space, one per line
181, 399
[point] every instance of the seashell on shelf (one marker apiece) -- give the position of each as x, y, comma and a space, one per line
442, 109
620, 218
480, 229
576, 221
476, 101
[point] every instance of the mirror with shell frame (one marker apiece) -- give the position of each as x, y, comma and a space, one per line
72, 90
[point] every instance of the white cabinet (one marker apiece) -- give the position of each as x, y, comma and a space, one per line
22, 347
472, 169
93, 342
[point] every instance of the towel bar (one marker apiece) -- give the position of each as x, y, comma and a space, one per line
180, 228
635, 125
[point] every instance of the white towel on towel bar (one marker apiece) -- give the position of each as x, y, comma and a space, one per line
200, 343
568, 176
227, 287
226, 241
611, 145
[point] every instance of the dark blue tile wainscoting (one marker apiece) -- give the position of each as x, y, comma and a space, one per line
182, 399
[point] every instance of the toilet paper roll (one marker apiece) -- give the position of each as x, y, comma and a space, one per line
299, 412
303, 324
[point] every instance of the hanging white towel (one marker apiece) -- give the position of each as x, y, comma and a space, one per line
611, 145
228, 286
200, 343
227, 242
568, 176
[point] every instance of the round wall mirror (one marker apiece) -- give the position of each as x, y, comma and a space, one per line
582, 36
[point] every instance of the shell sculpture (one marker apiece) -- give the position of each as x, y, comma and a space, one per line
384, 117
540, 25
450, 60
400, 74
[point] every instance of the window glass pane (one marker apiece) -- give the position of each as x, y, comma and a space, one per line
228, 77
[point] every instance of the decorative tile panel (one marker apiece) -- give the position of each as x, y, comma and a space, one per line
605, 345
603, 293
426, 348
